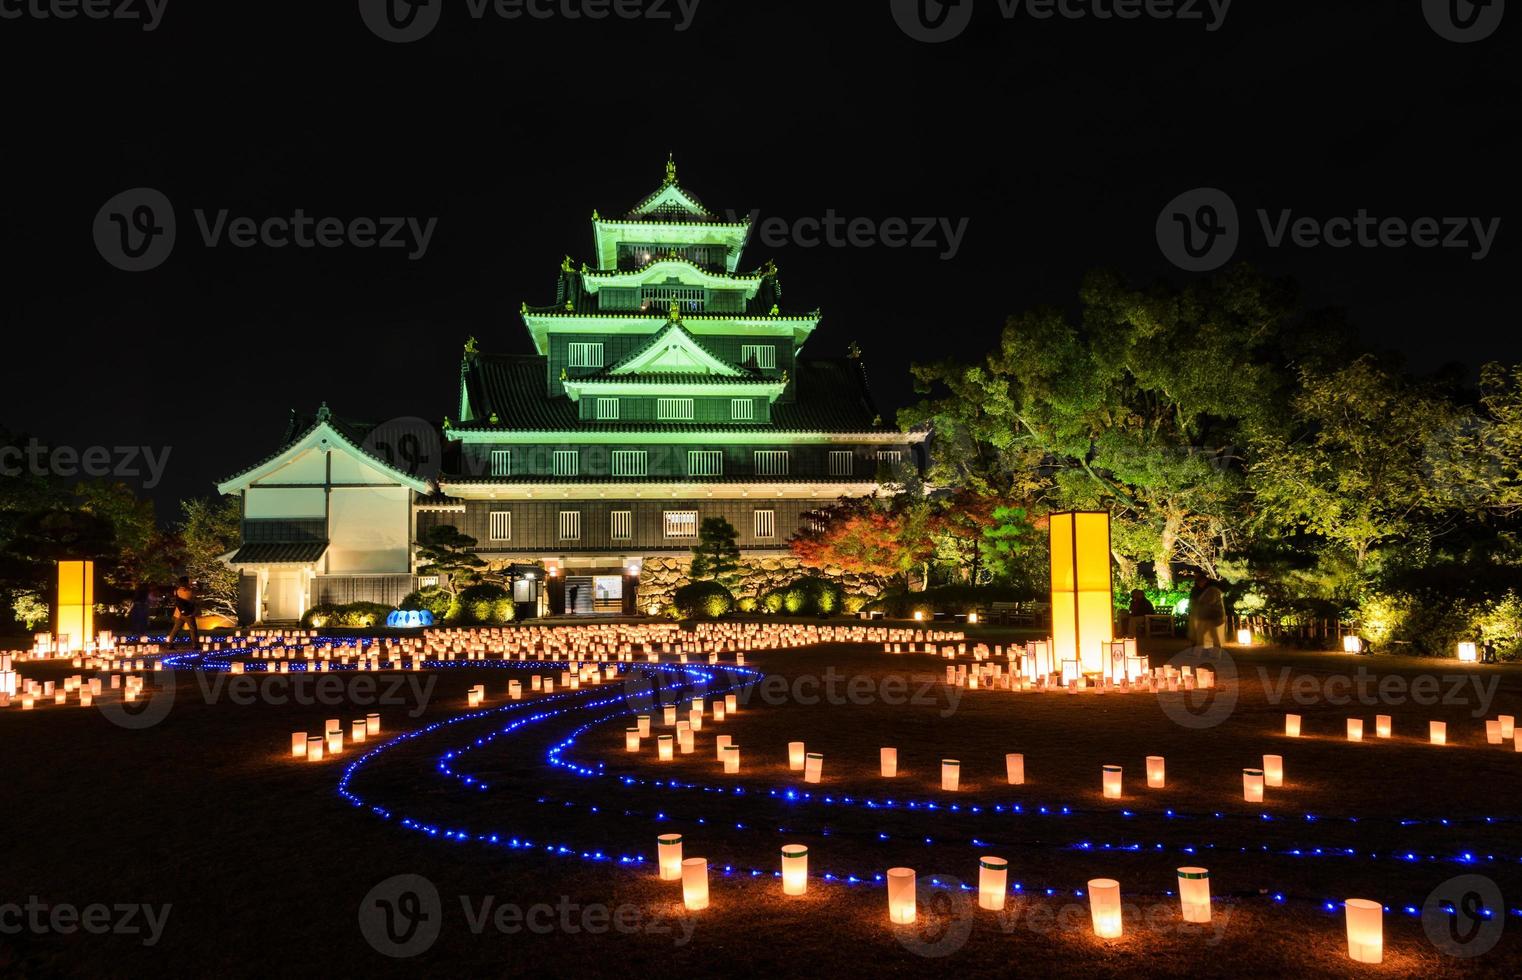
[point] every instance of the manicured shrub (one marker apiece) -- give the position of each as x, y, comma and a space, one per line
486, 604
704, 600
434, 599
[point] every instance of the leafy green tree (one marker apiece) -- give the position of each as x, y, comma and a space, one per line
451, 555
716, 556
209, 529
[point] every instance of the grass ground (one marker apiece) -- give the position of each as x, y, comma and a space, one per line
266, 866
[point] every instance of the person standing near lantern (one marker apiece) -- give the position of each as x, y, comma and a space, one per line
1207, 614
184, 613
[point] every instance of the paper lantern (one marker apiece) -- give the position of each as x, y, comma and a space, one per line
644, 726
795, 756
1244, 638
76, 602
1273, 771
668, 852
972, 619
1252, 785
631, 739
951, 774
299, 745
731, 759
731, 704
718, 710
1383, 726
331, 725
1366, 930
1194, 894
888, 758
1469, 653
695, 720
1157, 772
1508, 727
695, 884
1355, 729
1292, 726
1112, 782
372, 724
335, 741
314, 749
795, 869
719, 744
665, 751
686, 741
901, 896
1493, 731
1437, 732
1352, 644
1014, 768
993, 875
813, 767
357, 730
1082, 599
1104, 907
668, 715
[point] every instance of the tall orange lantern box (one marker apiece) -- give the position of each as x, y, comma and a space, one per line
76, 601
1083, 610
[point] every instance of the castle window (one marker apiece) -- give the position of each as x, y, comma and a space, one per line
705, 462
763, 356
623, 525
566, 462
842, 462
584, 356
771, 462
742, 410
501, 462
681, 523
674, 409
891, 460
766, 524
631, 463
607, 409
570, 525
501, 525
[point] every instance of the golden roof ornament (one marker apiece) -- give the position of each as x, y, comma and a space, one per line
448, 424
570, 306
854, 351
567, 265
776, 310
595, 215
676, 312
495, 420
471, 350
564, 374
670, 169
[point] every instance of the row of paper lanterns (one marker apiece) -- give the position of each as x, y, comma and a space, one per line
1498, 731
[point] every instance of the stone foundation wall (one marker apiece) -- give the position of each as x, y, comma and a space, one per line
661, 577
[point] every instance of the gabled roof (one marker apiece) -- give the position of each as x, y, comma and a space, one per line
324, 431
296, 553
674, 350
671, 199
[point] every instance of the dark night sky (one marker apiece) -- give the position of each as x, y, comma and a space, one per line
1060, 141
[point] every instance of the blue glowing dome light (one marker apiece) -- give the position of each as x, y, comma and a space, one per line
410, 619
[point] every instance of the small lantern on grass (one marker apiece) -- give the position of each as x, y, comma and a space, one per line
901, 906
1252, 785
888, 759
1493, 731
1508, 727
1384, 726
668, 852
668, 715
372, 724
1366, 930
1014, 768
813, 768
795, 756
1157, 772
695, 884
1355, 729
1469, 653
665, 751
644, 725
314, 749
299, 745
993, 879
1292, 726
951, 774
719, 744
1194, 894
731, 704
1273, 771
631, 739
1112, 775
1437, 732
731, 759
335, 741
1104, 907
795, 869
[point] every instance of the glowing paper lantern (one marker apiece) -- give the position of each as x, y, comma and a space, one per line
372, 724
1194, 894
695, 720
951, 774
1383, 726
631, 739
1352, 644
1355, 729
1437, 732
665, 751
1273, 771
668, 852
1104, 907
1366, 930
1244, 638
795, 756
1082, 598
1469, 653
731, 704
888, 758
1252, 785
299, 745
1112, 776
357, 730
695, 884
993, 875
1292, 726
901, 896
1493, 731
795, 869
644, 726
1508, 727
1157, 772
719, 744
1014, 768
731, 759
813, 767
314, 749
718, 710
668, 715
76, 601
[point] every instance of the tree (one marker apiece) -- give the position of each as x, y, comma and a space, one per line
445, 552
209, 529
867, 536
716, 556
